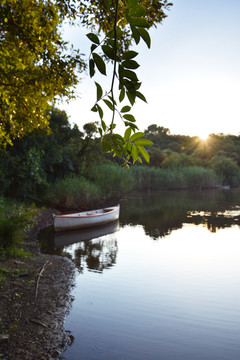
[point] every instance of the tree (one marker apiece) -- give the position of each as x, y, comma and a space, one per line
36, 65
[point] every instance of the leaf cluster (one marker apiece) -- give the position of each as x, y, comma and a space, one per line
36, 65
132, 13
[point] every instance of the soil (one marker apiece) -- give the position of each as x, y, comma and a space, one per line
34, 302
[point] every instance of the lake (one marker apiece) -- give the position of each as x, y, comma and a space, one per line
163, 283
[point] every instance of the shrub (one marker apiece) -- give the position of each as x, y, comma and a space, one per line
15, 221
73, 192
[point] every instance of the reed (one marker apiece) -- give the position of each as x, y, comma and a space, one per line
113, 180
149, 178
73, 192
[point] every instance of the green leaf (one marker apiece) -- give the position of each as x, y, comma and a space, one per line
137, 11
143, 142
139, 22
118, 137
109, 51
134, 153
100, 111
112, 100
91, 67
94, 38
144, 153
127, 133
131, 97
99, 63
135, 33
136, 136
129, 74
129, 117
104, 126
141, 96
107, 4
109, 104
106, 146
94, 108
131, 125
130, 64
99, 91
122, 94
125, 109
145, 36
131, 3
93, 47
129, 55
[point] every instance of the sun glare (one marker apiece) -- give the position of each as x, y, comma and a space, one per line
203, 136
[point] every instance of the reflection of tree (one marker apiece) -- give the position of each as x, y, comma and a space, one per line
162, 212
93, 248
213, 221
98, 254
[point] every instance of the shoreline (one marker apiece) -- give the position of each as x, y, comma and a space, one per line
35, 301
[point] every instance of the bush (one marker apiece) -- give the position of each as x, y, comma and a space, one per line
73, 192
15, 221
227, 168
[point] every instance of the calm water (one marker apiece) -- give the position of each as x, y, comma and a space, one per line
165, 285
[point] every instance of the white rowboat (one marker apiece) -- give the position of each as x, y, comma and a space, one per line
86, 219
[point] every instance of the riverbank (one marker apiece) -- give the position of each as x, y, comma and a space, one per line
34, 302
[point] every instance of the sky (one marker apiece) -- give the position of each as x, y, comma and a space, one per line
190, 76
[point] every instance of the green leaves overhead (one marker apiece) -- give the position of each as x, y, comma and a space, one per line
132, 15
37, 66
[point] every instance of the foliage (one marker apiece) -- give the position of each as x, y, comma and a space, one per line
107, 182
172, 178
73, 192
120, 20
15, 221
36, 65
227, 168
102, 13
32, 162
113, 180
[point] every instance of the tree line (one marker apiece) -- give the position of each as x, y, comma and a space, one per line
42, 158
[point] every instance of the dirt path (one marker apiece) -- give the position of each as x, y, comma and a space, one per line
34, 303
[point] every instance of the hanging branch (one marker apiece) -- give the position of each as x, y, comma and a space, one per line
131, 145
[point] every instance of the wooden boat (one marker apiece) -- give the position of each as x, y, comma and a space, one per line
86, 219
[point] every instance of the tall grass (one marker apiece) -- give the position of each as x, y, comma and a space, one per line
113, 180
73, 192
149, 178
109, 182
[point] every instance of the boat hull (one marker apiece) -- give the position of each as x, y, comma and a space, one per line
86, 219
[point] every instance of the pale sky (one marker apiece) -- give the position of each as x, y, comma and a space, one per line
190, 76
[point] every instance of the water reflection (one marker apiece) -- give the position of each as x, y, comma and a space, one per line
161, 213
92, 248
158, 213
176, 299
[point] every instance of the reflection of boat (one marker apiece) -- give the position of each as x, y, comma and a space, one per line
65, 238
85, 219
